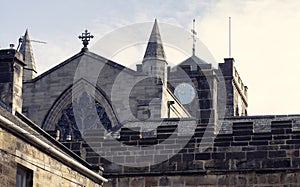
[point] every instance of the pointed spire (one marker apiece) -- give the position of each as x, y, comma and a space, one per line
154, 48
26, 50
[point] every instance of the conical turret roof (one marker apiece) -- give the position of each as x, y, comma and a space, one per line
26, 50
154, 48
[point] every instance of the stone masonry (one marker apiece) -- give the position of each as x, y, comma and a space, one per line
248, 151
47, 170
135, 139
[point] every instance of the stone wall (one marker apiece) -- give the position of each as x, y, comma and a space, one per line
241, 179
42, 93
247, 151
47, 171
47, 168
120, 86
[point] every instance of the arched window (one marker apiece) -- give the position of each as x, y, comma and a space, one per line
79, 116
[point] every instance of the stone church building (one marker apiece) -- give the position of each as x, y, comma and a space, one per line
157, 125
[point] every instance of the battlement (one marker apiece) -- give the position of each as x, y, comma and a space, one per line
261, 143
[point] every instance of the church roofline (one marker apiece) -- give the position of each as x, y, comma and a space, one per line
195, 59
81, 53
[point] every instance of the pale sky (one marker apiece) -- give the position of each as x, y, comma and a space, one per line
265, 36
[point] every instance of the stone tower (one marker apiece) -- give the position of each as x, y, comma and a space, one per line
236, 91
11, 72
202, 78
26, 50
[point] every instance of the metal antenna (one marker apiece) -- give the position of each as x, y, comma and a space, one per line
229, 40
37, 41
22, 38
194, 33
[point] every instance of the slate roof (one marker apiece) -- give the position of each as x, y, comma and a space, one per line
195, 62
154, 48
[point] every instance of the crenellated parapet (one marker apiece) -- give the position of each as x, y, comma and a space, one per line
244, 147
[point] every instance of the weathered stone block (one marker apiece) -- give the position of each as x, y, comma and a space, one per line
164, 181
276, 163
296, 125
261, 125
151, 181
224, 127
257, 154
207, 180
203, 156
248, 164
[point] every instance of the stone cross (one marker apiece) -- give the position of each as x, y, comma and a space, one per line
85, 38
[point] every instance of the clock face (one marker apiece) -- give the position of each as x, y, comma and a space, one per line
185, 93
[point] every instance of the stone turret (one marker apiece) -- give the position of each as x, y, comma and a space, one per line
154, 62
26, 50
152, 103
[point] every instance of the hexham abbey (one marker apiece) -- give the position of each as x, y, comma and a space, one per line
90, 121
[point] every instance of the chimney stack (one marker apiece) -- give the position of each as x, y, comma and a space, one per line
11, 72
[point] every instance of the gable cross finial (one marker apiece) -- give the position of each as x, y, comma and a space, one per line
85, 38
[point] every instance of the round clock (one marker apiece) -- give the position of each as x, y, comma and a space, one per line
185, 93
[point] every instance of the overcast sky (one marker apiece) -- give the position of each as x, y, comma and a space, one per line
265, 36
